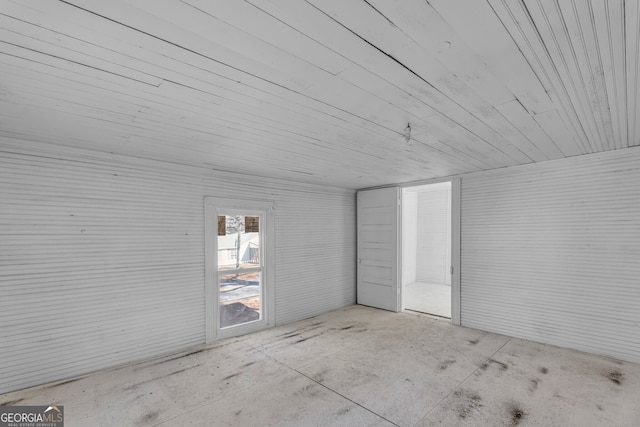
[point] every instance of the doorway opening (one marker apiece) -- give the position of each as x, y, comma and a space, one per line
426, 249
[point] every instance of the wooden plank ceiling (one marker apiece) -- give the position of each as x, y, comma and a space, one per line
321, 91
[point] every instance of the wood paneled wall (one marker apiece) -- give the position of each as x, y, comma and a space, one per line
102, 256
434, 235
550, 252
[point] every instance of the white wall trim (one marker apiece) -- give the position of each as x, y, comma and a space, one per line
455, 252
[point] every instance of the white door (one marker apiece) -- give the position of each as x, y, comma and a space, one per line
239, 267
378, 243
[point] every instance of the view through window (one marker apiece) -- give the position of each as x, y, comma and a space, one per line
239, 269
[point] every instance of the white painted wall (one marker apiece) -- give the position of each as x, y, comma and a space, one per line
550, 252
409, 235
433, 257
102, 257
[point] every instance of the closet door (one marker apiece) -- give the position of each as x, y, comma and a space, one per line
378, 243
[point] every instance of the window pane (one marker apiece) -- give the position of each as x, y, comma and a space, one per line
238, 249
240, 299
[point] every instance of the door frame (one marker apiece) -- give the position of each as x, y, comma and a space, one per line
455, 252
212, 207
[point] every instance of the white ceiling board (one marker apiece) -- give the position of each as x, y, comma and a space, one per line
553, 125
525, 34
447, 49
262, 26
472, 18
632, 37
422, 68
161, 132
203, 76
516, 113
196, 33
552, 28
481, 123
578, 17
37, 38
321, 91
610, 33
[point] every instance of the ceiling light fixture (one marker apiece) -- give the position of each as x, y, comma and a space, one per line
407, 133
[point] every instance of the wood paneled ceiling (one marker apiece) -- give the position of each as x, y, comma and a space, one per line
321, 91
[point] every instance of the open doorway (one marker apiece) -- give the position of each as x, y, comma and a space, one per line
426, 249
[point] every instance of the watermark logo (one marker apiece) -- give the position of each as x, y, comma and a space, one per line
32, 416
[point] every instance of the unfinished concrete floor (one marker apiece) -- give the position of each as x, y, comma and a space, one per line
356, 367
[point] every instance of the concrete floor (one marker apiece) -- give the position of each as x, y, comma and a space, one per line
356, 367
431, 298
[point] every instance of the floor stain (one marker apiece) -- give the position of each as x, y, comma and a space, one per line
149, 417
172, 358
543, 370
228, 377
319, 377
299, 331
469, 402
308, 338
474, 342
616, 377
311, 390
179, 371
444, 365
194, 352
533, 384
291, 335
503, 366
11, 402
63, 383
516, 414
343, 411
